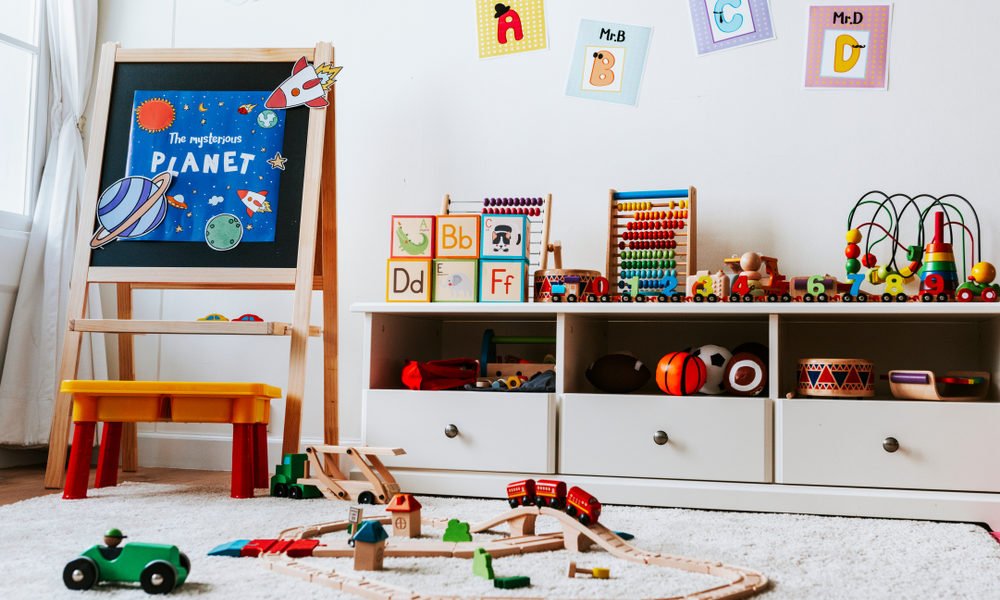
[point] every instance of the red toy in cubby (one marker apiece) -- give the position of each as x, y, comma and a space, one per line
412, 236
680, 374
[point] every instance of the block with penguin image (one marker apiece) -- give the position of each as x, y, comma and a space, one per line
502, 280
505, 237
455, 280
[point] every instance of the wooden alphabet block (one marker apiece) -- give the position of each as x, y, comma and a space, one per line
456, 236
408, 280
502, 280
505, 237
455, 280
412, 236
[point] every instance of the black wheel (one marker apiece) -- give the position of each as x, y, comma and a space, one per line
772, 297
640, 298
808, 298
677, 298
886, 297
556, 503
571, 298
295, 492
699, 298
734, 297
902, 298
159, 577
539, 502
748, 297
186, 563
591, 297
786, 297
942, 297
847, 298
557, 298
280, 490
822, 297
626, 298
584, 520
662, 298
712, 298
571, 510
925, 297
80, 574
366, 498
605, 298
512, 502
862, 297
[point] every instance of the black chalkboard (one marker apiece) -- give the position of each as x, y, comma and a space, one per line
130, 77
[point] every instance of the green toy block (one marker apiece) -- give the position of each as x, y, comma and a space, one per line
510, 583
482, 564
457, 531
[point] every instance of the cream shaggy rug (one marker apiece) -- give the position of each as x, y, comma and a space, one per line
804, 556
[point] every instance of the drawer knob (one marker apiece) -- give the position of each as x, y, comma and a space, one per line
890, 444
660, 438
451, 431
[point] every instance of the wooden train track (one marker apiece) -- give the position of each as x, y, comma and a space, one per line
740, 582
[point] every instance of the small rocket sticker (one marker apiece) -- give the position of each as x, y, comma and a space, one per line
307, 85
255, 201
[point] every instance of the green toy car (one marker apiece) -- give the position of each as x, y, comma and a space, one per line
159, 568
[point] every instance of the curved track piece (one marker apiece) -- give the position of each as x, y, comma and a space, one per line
740, 582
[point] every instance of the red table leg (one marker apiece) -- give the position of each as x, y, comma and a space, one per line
260, 470
78, 471
242, 481
107, 456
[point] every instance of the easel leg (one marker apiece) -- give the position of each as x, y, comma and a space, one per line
59, 431
328, 263
79, 461
126, 372
107, 456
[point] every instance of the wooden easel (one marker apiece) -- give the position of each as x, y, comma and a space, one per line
316, 266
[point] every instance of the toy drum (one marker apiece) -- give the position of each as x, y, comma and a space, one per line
836, 378
576, 282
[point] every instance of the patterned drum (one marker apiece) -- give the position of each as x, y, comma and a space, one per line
836, 378
578, 282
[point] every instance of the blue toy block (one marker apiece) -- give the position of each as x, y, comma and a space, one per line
503, 280
231, 549
505, 237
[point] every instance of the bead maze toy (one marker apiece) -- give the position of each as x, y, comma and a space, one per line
245, 405
953, 386
876, 218
281, 554
651, 241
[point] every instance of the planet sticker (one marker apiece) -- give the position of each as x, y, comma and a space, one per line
223, 232
267, 119
131, 207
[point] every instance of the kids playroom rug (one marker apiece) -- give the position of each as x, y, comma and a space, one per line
804, 557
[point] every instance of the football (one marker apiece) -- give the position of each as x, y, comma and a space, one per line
715, 358
618, 373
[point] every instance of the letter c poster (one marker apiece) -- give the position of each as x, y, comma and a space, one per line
848, 46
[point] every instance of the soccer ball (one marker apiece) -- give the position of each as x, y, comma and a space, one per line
715, 359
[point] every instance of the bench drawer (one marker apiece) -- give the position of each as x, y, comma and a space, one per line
941, 446
494, 431
707, 438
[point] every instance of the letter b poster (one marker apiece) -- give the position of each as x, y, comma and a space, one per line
848, 46
608, 62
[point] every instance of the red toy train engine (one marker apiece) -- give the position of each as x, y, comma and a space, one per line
552, 493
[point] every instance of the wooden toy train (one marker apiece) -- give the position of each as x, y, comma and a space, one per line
553, 494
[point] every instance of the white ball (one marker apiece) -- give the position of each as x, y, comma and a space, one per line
715, 359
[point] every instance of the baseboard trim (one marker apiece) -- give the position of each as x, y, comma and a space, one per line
203, 452
11, 457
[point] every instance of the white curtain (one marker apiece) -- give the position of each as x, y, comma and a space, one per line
29, 382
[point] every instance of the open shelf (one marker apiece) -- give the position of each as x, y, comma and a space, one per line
186, 327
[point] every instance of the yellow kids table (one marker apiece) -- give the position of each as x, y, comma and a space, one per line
246, 405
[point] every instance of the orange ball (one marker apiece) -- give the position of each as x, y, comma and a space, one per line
680, 374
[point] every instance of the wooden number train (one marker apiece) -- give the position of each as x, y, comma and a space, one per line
553, 494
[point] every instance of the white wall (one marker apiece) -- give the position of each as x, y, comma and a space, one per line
420, 115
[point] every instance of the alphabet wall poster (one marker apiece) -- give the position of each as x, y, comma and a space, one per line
722, 24
608, 62
510, 26
223, 151
848, 46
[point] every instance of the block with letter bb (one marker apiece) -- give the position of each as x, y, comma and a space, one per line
408, 280
455, 280
412, 236
505, 237
456, 236
502, 280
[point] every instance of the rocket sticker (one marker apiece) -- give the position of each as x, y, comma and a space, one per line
255, 201
307, 86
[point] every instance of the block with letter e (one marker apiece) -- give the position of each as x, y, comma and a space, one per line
502, 280
408, 280
455, 280
457, 236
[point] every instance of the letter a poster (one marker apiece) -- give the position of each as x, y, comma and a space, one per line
223, 150
608, 62
510, 26
848, 47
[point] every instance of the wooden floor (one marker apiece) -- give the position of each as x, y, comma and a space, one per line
21, 483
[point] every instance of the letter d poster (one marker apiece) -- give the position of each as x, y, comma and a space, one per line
848, 46
608, 62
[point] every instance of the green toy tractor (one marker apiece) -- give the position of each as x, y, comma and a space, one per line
159, 568
284, 482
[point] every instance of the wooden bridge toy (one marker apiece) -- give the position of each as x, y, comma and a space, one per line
322, 472
246, 405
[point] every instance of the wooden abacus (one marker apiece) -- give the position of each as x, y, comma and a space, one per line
651, 237
538, 211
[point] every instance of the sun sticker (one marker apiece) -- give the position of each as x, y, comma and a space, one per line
155, 114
